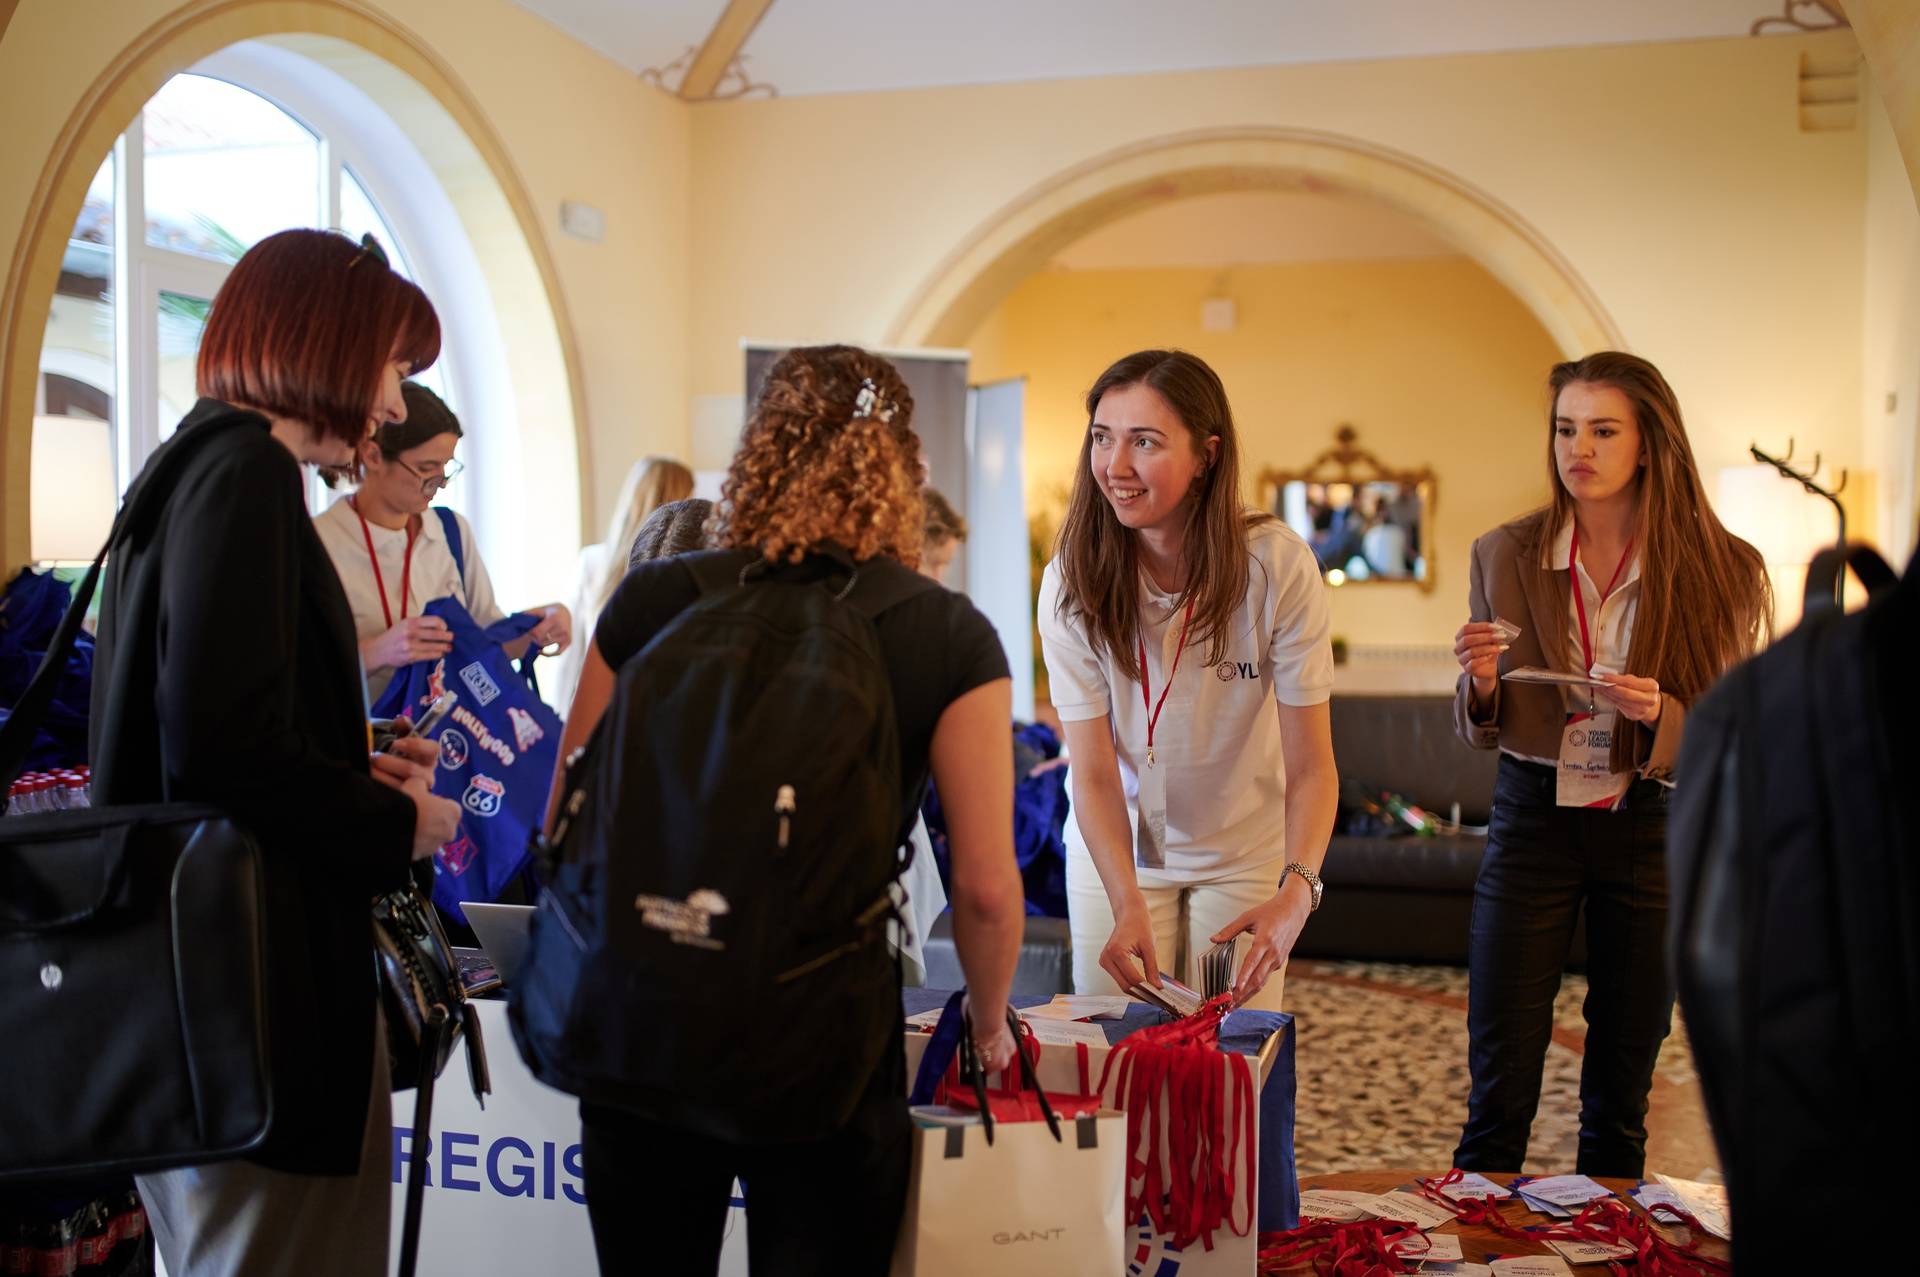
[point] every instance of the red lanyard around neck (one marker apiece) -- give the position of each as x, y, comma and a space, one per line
1146, 680
1579, 604
379, 581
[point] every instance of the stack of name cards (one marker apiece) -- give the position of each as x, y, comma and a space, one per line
1560, 1196
1473, 1185
1705, 1202
1345, 1207
1529, 1266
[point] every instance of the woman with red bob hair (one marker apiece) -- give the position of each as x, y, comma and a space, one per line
228, 674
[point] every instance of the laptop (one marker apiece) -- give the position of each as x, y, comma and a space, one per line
502, 932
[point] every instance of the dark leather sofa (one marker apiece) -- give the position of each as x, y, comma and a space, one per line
1405, 898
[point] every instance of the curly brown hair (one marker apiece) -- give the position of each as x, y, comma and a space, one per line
814, 469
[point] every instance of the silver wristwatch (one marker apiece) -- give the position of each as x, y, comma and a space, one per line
1308, 876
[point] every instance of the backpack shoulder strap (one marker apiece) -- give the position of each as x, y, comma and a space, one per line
451, 522
878, 588
715, 570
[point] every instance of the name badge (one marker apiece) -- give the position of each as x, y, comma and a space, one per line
1150, 829
1584, 778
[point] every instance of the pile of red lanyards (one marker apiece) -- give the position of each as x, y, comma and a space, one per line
1371, 1247
1172, 1081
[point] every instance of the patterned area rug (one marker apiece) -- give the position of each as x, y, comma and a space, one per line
1382, 1056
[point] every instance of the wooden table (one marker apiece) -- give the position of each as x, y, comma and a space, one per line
1478, 1243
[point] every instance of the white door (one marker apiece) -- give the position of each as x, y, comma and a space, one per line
998, 562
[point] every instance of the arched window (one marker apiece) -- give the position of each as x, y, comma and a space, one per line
208, 169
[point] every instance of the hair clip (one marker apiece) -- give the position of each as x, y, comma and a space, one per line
868, 402
369, 247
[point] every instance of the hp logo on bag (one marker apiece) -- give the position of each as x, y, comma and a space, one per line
50, 977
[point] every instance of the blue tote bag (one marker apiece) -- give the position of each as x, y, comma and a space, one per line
497, 748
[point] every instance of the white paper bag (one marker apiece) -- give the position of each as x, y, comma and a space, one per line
1024, 1206
1143, 1250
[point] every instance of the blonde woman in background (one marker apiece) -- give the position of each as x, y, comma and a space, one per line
650, 484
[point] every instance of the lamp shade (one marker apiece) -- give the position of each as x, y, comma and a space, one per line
72, 488
1778, 517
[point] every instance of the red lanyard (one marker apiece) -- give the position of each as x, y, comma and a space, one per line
1153, 710
1579, 604
379, 582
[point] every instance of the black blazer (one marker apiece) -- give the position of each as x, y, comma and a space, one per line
227, 673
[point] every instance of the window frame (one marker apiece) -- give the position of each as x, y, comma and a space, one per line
141, 271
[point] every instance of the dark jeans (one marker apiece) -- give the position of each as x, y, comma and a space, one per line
658, 1196
1542, 864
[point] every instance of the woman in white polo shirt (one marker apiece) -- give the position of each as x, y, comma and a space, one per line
393, 560
1186, 646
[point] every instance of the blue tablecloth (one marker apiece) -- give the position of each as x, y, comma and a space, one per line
1243, 1033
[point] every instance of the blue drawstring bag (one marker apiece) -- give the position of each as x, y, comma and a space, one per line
30, 611
497, 748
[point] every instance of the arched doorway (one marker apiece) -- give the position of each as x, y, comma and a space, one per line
538, 400
1025, 234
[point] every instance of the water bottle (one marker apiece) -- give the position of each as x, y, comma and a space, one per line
77, 792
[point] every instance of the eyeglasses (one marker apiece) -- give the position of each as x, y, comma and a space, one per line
433, 475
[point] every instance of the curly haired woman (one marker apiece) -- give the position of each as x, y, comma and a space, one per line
827, 477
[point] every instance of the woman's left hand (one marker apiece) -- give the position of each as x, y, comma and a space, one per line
1275, 924
1637, 698
555, 629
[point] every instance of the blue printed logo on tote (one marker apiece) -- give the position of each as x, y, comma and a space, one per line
497, 747
496, 757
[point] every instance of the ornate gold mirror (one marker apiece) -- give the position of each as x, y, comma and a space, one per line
1367, 522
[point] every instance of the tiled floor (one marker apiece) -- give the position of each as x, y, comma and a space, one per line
1382, 1057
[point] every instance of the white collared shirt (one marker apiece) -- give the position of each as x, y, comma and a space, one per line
433, 575
1218, 736
1609, 624
1609, 621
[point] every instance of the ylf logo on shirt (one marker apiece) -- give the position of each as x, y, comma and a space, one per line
1227, 671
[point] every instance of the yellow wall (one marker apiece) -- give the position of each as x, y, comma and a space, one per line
574, 126
1674, 178
1431, 360
1890, 355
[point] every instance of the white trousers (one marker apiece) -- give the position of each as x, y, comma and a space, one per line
1185, 916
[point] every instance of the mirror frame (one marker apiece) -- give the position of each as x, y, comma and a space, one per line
1347, 462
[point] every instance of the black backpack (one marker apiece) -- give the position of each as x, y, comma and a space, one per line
710, 949
1795, 924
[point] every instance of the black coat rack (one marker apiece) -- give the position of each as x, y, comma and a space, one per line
1806, 480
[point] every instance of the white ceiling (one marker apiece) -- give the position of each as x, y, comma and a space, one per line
848, 46
1252, 228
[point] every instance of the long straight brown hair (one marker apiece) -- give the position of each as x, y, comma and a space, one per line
1705, 601
1098, 556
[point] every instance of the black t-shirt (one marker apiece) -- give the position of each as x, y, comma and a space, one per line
937, 645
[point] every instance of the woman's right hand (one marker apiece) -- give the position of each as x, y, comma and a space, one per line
417, 638
1129, 951
1477, 646
436, 821
993, 1040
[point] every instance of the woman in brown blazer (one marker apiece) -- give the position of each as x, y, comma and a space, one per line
1627, 579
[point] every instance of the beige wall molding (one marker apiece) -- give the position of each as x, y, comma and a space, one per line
716, 70
1024, 235
1889, 35
123, 87
1801, 15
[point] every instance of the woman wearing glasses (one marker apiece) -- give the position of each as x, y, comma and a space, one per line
394, 559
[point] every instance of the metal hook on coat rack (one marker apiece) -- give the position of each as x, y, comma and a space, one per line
1806, 479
